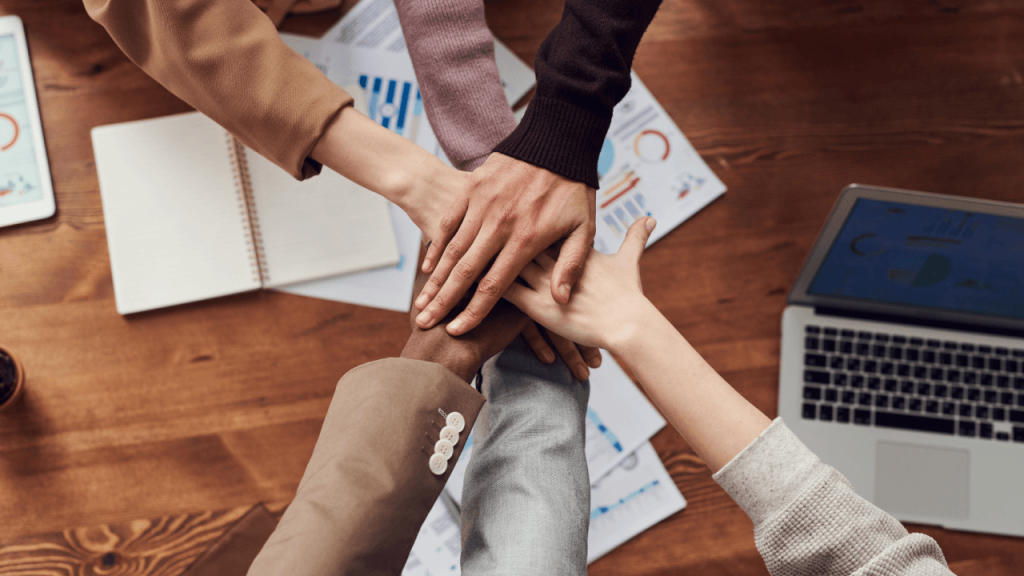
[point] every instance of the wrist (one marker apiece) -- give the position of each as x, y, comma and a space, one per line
634, 328
461, 361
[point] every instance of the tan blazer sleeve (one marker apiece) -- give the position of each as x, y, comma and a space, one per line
225, 58
368, 488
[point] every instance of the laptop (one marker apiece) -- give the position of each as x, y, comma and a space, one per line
903, 355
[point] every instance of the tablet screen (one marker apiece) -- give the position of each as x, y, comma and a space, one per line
19, 167
926, 256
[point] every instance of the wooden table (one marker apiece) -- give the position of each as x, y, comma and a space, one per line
188, 416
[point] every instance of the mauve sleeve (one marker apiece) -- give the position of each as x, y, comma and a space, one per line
583, 71
452, 52
225, 58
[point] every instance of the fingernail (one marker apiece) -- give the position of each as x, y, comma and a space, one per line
582, 372
548, 357
596, 362
423, 319
426, 264
422, 301
455, 327
564, 291
650, 224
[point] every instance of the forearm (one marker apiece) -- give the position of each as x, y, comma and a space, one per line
226, 59
583, 71
452, 52
390, 165
713, 418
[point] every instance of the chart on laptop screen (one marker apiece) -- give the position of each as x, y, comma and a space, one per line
927, 256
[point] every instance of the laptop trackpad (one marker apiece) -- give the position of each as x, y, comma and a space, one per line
921, 480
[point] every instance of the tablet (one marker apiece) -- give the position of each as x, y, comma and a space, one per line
26, 191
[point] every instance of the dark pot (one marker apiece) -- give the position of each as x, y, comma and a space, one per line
12, 378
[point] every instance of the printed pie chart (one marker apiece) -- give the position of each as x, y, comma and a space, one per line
9, 131
921, 271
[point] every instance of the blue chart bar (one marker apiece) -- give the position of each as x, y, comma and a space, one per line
602, 510
375, 97
388, 109
391, 108
400, 125
608, 434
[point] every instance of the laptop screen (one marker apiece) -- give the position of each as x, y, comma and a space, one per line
926, 256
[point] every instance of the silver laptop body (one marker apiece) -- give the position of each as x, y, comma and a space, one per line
903, 355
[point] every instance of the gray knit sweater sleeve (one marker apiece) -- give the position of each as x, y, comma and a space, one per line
809, 521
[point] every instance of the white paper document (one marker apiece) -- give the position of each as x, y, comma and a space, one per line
648, 168
619, 418
636, 495
438, 545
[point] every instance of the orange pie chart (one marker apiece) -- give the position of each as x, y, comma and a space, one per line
17, 131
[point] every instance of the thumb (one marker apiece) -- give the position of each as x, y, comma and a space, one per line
636, 238
569, 267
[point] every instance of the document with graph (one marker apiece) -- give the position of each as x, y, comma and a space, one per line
193, 214
647, 167
636, 495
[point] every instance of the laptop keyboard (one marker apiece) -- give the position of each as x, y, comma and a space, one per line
892, 381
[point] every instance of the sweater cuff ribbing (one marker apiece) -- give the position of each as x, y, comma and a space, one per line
769, 473
559, 137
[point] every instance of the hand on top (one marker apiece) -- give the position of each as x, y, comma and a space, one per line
512, 213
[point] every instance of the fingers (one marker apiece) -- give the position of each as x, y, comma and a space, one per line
538, 343
538, 278
636, 238
591, 355
503, 272
546, 262
569, 267
571, 356
448, 228
453, 253
528, 301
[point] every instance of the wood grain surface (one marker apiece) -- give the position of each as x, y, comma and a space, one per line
188, 416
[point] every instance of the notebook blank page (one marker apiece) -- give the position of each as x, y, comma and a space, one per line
175, 228
322, 226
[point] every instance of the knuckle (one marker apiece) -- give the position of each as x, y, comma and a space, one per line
449, 224
573, 270
454, 250
489, 287
435, 282
463, 271
440, 303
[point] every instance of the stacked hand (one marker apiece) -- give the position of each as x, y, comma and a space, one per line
465, 354
512, 212
607, 301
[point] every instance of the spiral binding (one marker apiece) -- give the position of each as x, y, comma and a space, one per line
247, 210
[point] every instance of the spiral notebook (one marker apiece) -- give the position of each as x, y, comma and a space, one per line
193, 214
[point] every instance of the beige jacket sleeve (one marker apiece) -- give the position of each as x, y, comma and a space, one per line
225, 58
368, 488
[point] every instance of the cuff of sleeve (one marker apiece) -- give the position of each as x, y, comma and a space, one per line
559, 137
769, 473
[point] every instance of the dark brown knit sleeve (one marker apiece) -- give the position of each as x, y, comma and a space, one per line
582, 72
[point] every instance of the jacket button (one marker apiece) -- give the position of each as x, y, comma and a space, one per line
450, 434
444, 448
438, 464
455, 420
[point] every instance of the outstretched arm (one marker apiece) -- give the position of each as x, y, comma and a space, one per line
807, 518
225, 58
